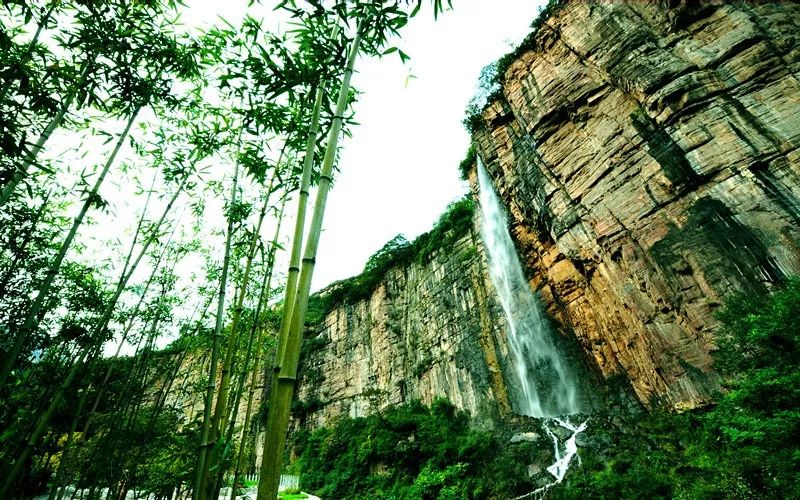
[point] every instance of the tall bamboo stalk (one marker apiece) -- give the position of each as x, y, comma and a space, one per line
281, 397
14, 266
33, 154
198, 492
32, 318
64, 462
260, 329
42, 421
67, 446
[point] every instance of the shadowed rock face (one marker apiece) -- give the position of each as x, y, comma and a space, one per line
649, 158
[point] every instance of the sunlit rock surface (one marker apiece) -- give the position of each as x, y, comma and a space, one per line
649, 158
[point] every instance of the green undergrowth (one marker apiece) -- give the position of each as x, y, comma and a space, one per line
746, 446
451, 226
410, 451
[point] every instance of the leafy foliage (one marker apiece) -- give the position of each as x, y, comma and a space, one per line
470, 158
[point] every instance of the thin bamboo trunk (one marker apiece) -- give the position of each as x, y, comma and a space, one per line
41, 424
33, 154
198, 493
63, 462
262, 299
67, 446
221, 410
89, 352
127, 330
280, 399
32, 319
22, 170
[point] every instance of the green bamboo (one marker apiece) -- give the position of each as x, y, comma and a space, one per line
29, 49
87, 353
32, 318
41, 425
63, 462
67, 447
262, 299
198, 492
220, 411
23, 245
280, 399
30, 159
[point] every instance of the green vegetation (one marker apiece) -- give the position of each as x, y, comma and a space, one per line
452, 225
469, 160
747, 446
411, 451
286, 495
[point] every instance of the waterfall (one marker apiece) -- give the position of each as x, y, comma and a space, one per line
545, 386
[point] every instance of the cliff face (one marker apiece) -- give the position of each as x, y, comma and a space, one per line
649, 158
428, 330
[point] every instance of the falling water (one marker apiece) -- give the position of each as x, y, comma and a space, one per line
546, 386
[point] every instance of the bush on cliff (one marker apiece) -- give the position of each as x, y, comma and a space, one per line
747, 446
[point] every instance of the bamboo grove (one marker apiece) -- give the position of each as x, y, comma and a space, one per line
146, 170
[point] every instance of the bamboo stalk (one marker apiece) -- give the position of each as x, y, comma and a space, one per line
89, 352
198, 492
221, 411
278, 420
29, 49
41, 424
265, 289
14, 266
63, 463
30, 159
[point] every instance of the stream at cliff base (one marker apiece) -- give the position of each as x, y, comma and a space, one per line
544, 386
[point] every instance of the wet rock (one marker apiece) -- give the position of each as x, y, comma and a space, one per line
525, 436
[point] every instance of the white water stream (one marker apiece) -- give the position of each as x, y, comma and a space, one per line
545, 385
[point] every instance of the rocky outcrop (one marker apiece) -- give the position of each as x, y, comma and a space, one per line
429, 329
649, 157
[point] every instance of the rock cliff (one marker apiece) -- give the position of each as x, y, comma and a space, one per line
648, 154
429, 329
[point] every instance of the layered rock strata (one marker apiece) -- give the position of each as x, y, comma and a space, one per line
649, 158
428, 330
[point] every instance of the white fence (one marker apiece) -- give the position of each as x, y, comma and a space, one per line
288, 481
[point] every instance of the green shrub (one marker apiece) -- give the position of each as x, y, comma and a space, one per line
469, 160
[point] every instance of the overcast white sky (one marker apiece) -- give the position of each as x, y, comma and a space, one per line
400, 169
